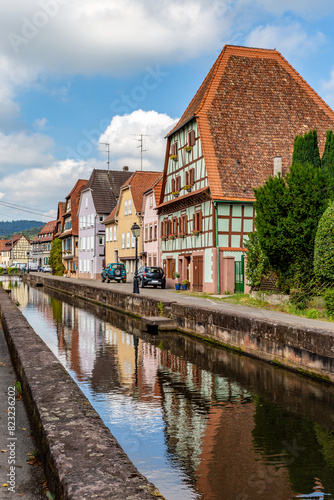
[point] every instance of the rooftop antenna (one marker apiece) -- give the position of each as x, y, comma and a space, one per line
141, 147
108, 150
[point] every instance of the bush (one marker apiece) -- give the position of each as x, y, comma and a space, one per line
298, 298
329, 302
312, 314
324, 246
257, 263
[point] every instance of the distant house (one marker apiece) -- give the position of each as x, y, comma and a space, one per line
97, 200
238, 130
120, 243
16, 249
70, 229
151, 230
59, 223
41, 245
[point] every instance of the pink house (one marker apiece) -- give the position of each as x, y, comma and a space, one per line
151, 232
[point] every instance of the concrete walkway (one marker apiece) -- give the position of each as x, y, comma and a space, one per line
15, 439
171, 295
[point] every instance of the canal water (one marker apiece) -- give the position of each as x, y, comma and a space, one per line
198, 421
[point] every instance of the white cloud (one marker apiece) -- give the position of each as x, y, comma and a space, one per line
288, 38
40, 123
123, 135
303, 8
328, 90
24, 149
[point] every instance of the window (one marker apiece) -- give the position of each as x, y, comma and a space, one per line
101, 241
123, 240
191, 138
151, 201
146, 232
128, 240
178, 183
155, 233
190, 177
129, 207
107, 234
86, 201
125, 208
133, 241
174, 149
174, 225
154, 261
197, 221
151, 232
101, 218
68, 224
115, 233
184, 224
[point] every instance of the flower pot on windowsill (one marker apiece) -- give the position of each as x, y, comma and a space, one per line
195, 233
175, 194
181, 235
174, 157
188, 149
187, 188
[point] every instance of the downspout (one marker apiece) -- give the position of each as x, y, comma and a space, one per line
217, 246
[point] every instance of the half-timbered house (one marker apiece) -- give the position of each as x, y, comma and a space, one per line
237, 131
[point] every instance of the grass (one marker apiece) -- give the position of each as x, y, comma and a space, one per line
315, 310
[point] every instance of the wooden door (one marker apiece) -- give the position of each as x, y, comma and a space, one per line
198, 273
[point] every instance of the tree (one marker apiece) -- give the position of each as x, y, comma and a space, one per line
327, 161
306, 149
324, 246
56, 258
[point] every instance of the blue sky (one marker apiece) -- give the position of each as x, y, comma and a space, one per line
75, 73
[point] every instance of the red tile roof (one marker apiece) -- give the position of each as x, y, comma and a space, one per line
249, 109
139, 182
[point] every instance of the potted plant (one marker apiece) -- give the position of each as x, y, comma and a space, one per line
188, 149
181, 235
175, 194
172, 236
164, 238
187, 187
184, 284
174, 157
195, 232
176, 276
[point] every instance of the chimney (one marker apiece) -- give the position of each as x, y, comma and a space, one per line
277, 165
125, 168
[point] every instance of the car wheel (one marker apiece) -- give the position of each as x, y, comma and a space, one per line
123, 281
163, 285
154, 286
142, 283
103, 280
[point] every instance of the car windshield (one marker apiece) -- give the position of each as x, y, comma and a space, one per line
114, 266
154, 270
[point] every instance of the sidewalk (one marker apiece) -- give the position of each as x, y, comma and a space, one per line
170, 295
15, 440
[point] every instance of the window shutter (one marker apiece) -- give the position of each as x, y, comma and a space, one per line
194, 221
173, 268
162, 227
192, 176
191, 138
164, 265
178, 183
173, 185
187, 178
200, 218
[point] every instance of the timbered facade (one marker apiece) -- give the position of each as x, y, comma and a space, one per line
238, 130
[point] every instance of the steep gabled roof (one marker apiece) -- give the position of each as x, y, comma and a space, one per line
105, 186
49, 227
111, 216
249, 109
139, 182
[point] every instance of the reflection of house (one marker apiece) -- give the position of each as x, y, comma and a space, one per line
120, 243
70, 229
15, 250
238, 130
41, 245
97, 200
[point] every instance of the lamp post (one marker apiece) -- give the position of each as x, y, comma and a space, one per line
136, 232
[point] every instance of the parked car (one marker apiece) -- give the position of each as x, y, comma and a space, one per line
46, 269
154, 276
114, 271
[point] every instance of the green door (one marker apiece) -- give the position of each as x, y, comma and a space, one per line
239, 276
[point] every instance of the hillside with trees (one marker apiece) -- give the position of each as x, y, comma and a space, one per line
30, 228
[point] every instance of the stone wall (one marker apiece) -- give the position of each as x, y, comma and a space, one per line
308, 350
81, 458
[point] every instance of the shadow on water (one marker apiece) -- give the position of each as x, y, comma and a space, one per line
199, 421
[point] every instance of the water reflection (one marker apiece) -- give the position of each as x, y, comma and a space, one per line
199, 422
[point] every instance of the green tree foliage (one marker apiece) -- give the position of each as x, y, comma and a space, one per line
257, 262
324, 246
287, 216
306, 149
55, 258
327, 161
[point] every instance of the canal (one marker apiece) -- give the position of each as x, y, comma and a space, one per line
198, 421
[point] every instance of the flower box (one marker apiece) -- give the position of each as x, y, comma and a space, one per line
195, 232
175, 194
174, 157
188, 149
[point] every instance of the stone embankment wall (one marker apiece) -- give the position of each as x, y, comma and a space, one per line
81, 458
307, 350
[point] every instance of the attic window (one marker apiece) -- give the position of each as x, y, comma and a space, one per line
191, 138
277, 165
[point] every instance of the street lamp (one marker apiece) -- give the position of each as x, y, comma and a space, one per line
136, 232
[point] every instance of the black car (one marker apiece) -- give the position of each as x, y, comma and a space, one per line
154, 276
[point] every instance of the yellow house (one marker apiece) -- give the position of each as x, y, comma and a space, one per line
120, 243
15, 250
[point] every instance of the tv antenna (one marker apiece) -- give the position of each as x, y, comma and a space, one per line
108, 150
142, 150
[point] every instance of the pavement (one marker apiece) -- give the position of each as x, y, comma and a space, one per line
18, 478
171, 295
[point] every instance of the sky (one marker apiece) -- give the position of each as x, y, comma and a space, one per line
77, 73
